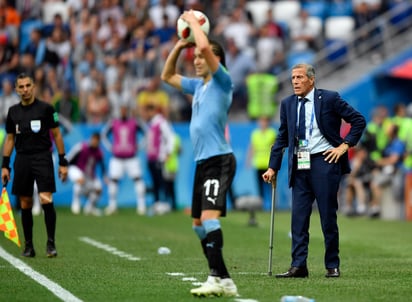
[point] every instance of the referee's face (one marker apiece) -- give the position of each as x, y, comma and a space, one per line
25, 89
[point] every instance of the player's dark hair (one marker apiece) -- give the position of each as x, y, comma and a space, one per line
218, 51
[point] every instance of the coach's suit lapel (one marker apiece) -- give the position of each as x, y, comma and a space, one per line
317, 102
294, 114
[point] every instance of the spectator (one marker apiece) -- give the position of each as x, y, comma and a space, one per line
9, 60
170, 169
67, 105
358, 182
166, 31
157, 11
238, 23
13, 19
109, 9
29, 10
58, 48
269, 52
76, 6
375, 137
239, 64
80, 27
58, 22
83, 159
153, 94
108, 29
8, 98
8, 32
36, 46
388, 171
303, 35
97, 106
261, 140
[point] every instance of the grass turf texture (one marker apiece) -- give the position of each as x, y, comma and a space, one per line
376, 261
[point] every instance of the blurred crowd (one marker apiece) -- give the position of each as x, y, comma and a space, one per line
380, 162
90, 56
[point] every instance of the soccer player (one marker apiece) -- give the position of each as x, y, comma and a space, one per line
124, 132
215, 162
28, 127
84, 158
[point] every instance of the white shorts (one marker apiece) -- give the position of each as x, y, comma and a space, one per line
118, 167
91, 184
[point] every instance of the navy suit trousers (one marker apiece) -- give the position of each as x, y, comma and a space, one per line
320, 183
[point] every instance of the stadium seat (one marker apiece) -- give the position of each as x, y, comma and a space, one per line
340, 8
284, 10
295, 57
339, 31
315, 8
50, 9
25, 29
339, 28
258, 10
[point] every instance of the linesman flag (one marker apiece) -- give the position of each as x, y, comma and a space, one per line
7, 222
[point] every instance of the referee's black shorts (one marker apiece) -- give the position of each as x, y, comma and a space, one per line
213, 178
33, 167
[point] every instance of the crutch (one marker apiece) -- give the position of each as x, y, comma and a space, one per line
272, 221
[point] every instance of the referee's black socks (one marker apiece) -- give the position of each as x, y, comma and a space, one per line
50, 220
27, 222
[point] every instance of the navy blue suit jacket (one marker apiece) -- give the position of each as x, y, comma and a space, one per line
330, 110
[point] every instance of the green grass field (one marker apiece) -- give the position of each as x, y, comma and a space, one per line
376, 259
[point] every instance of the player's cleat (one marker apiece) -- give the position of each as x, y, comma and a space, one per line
229, 287
141, 211
90, 210
75, 208
28, 251
51, 249
210, 288
110, 210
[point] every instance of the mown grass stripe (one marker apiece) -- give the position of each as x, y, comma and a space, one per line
108, 248
56, 289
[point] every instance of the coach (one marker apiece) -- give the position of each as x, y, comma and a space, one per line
310, 123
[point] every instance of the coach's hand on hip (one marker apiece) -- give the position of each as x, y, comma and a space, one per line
333, 155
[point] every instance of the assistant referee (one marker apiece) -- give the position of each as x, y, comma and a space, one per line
31, 125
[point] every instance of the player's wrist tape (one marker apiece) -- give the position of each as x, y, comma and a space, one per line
63, 161
6, 162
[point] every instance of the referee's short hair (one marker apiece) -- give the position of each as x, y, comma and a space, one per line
23, 75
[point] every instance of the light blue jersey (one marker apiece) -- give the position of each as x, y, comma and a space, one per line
210, 107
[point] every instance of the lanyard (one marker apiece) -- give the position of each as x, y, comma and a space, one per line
311, 121
312, 117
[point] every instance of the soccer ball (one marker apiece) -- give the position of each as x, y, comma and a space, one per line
184, 31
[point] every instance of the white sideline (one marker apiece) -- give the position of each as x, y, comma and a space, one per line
108, 248
56, 289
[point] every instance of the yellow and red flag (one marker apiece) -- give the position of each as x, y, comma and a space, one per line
7, 222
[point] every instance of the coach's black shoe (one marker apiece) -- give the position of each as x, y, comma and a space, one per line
28, 250
295, 272
51, 249
332, 273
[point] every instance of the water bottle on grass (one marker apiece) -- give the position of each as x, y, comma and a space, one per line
296, 299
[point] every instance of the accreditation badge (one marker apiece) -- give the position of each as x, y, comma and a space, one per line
303, 155
35, 125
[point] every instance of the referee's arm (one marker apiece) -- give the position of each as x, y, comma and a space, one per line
58, 140
7, 150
